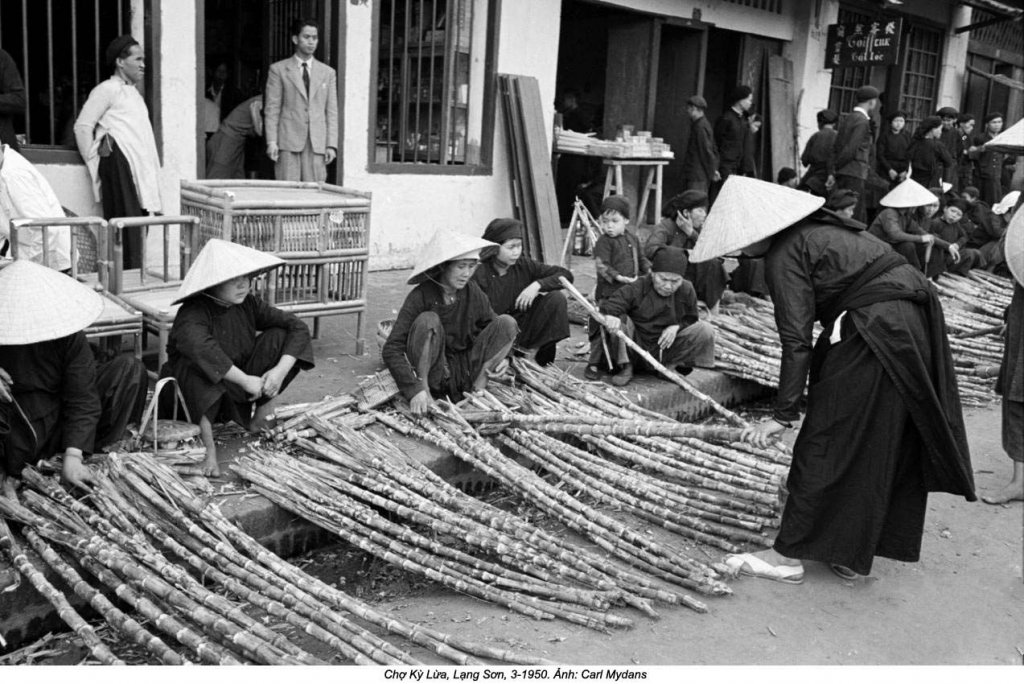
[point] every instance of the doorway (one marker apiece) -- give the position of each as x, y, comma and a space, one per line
240, 40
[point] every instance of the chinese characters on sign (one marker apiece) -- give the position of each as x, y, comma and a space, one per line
866, 43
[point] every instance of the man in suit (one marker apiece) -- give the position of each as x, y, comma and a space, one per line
301, 110
851, 151
700, 165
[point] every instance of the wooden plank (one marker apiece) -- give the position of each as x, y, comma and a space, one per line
781, 108
520, 152
520, 204
543, 183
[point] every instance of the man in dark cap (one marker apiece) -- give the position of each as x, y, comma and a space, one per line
989, 164
852, 148
787, 176
817, 154
682, 218
930, 162
842, 202
659, 311
700, 165
525, 289
730, 132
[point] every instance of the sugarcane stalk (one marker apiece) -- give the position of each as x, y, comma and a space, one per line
586, 425
114, 616
65, 611
668, 374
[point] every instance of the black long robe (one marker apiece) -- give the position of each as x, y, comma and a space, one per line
538, 325
208, 338
884, 424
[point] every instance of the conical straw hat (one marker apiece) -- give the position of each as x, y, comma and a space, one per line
1014, 247
220, 261
1010, 141
749, 210
446, 245
39, 304
908, 194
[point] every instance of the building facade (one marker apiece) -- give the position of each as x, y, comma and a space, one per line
421, 124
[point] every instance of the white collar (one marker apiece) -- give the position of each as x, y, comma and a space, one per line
862, 111
307, 62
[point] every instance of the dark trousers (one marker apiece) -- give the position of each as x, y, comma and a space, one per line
453, 373
991, 190
117, 189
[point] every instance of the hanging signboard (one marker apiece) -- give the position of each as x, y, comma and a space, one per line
863, 43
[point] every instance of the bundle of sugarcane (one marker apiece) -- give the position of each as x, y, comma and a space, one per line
320, 495
448, 430
502, 552
978, 291
146, 539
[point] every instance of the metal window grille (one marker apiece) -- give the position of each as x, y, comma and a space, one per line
423, 82
921, 73
58, 46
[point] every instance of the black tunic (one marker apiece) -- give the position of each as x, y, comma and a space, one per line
816, 157
884, 424
538, 325
892, 151
730, 130
650, 312
208, 338
709, 278
463, 321
701, 160
930, 162
615, 256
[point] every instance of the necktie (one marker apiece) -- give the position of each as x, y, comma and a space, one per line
305, 77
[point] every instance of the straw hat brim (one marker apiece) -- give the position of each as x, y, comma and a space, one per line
1008, 202
749, 210
1014, 247
446, 245
38, 304
908, 194
1010, 141
220, 261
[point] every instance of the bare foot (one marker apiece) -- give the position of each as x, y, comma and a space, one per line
1011, 492
211, 468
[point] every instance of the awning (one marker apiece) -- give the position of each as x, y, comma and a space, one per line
1010, 141
998, 78
1003, 12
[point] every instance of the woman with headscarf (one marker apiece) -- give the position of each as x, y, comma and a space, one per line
930, 163
230, 351
884, 424
447, 338
116, 141
903, 223
525, 289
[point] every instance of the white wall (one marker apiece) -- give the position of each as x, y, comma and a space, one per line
811, 80
177, 105
408, 208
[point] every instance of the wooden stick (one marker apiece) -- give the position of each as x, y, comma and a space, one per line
670, 375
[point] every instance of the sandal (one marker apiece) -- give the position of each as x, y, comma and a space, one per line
750, 565
843, 572
592, 373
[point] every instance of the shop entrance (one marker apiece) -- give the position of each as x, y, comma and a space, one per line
240, 40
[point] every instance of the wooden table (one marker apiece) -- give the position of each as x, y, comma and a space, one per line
652, 181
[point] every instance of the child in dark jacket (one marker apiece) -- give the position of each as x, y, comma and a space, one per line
618, 260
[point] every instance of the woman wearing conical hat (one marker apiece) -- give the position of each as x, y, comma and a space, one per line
1010, 383
57, 399
447, 337
230, 351
883, 425
903, 223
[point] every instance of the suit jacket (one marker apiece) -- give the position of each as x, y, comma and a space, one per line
852, 148
290, 116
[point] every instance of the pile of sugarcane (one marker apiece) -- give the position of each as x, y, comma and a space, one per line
170, 574
973, 307
587, 451
747, 343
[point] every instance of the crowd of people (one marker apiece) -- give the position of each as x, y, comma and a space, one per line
860, 478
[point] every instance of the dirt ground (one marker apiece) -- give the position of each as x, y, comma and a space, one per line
962, 604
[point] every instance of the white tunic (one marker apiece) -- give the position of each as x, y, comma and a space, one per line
116, 108
25, 194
